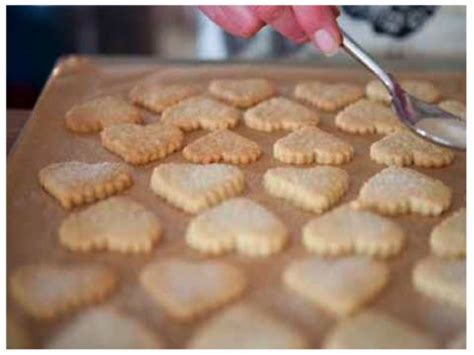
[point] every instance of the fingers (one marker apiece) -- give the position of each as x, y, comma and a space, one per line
320, 25
281, 19
240, 21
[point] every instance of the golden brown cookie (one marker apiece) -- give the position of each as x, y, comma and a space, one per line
421, 89
448, 239
242, 93
455, 107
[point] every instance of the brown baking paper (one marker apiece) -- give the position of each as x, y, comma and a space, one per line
34, 216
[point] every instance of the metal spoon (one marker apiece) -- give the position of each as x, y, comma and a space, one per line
427, 120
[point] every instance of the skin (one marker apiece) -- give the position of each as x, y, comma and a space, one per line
300, 24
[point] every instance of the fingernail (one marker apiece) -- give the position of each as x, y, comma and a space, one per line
326, 42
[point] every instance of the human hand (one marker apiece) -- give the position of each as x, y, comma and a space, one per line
300, 24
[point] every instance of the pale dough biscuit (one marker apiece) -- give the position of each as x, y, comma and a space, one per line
367, 117
341, 286
347, 230
49, 290
222, 145
448, 239
311, 145
376, 330
458, 341
312, 189
18, 337
201, 112
244, 326
327, 96
75, 183
279, 113
454, 107
237, 224
142, 144
421, 89
157, 97
117, 224
188, 289
442, 279
397, 190
196, 187
242, 93
104, 328
405, 148
96, 114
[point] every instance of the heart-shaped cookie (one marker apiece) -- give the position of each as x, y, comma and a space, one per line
187, 289
222, 145
196, 187
50, 290
421, 89
237, 224
449, 237
455, 107
340, 285
405, 148
242, 93
117, 224
142, 144
347, 230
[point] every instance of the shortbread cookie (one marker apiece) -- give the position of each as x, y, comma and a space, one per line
201, 112
421, 89
188, 289
397, 190
455, 107
96, 114
442, 279
222, 145
244, 326
405, 148
18, 337
279, 113
105, 328
117, 224
341, 285
157, 97
50, 290
242, 93
326, 96
376, 330
312, 189
367, 117
449, 237
75, 183
347, 230
458, 341
196, 187
142, 144
312, 145
237, 224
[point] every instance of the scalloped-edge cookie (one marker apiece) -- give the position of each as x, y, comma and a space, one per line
397, 190
157, 97
48, 290
421, 89
142, 144
442, 279
376, 330
245, 326
96, 114
201, 112
237, 224
367, 117
117, 224
279, 113
454, 107
74, 183
312, 145
328, 96
242, 93
196, 187
346, 230
104, 328
448, 238
189, 289
222, 146
340, 286
404, 148
312, 189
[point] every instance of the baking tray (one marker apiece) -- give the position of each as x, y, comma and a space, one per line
33, 216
